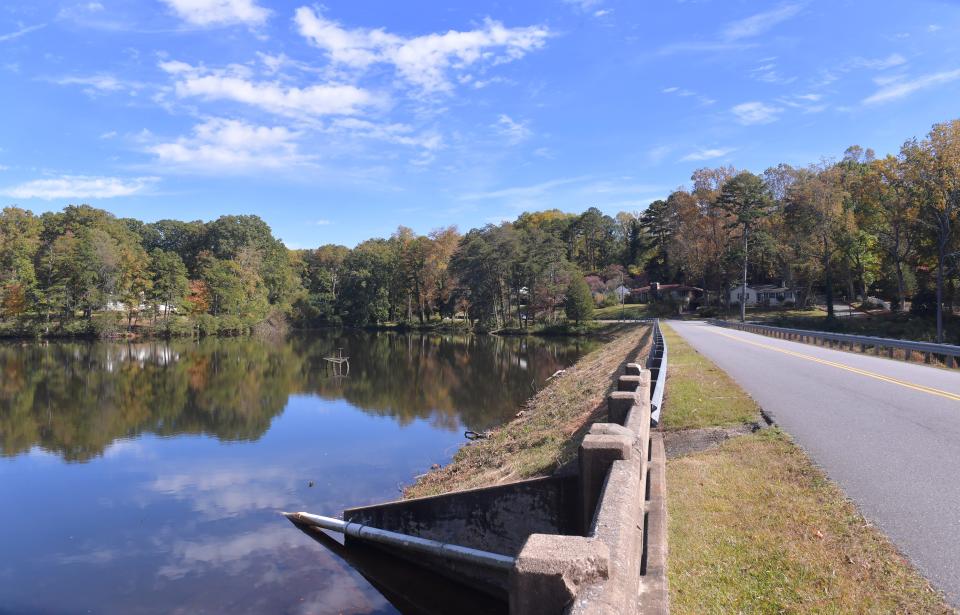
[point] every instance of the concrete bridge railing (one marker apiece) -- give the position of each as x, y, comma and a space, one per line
618, 564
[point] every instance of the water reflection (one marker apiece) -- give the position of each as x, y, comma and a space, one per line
189, 450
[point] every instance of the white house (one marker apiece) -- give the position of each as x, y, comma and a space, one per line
769, 295
621, 292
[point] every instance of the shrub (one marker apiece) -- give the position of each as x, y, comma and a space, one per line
579, 300
924, 303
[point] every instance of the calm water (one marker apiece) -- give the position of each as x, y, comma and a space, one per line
146, 478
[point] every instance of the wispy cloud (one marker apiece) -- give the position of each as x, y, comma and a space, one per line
708, 154
513, 131
900, 89
9, 36
756, 113
685, 93
98, 84
525, 192
80, 187
736, 35
760, 23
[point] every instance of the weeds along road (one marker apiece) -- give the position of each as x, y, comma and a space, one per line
886, 431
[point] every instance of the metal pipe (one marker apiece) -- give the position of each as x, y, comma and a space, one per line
405, 541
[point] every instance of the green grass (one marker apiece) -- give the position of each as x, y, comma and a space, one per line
550, 428
755, 527
699, 394
630, 310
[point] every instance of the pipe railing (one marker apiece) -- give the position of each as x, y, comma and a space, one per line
950, 354
405, 542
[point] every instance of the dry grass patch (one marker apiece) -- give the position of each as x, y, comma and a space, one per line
552, 424
700, 394
755, 527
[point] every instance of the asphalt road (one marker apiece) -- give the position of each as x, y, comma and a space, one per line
886, 431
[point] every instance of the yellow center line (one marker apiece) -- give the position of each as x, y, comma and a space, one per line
862, 372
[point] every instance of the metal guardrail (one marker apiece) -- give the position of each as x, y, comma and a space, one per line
657, 364
949, 354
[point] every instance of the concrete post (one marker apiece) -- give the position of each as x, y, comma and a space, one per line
633, 369
629, 383
551, 569
597, 453
619, 404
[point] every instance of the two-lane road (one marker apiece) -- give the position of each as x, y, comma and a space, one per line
887, 432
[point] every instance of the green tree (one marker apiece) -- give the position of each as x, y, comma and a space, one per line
170, 282
579, 300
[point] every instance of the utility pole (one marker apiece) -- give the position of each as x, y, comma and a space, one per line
620, 292
743, 291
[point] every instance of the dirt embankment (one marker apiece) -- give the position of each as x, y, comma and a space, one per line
548, 429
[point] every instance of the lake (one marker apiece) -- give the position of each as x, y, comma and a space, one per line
147, 477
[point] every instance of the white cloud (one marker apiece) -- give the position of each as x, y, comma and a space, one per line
9, 36
602, 12
231, 145
234, 83
401, 134
708, 154
322, 222
423, 61
759, 23
756, 113
899, 89
514, 132
79, 187
219, 12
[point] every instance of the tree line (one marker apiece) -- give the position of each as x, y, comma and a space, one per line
862, 226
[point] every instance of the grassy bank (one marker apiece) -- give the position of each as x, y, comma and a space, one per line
630, 310
548, 431
700, 394
755, 527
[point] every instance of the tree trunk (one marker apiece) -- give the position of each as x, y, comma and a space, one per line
828, 280
901, 290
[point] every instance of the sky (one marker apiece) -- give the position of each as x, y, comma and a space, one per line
337, 122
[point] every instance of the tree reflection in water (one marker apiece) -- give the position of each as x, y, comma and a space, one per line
75, 398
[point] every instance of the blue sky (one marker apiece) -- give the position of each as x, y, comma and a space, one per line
339, 121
